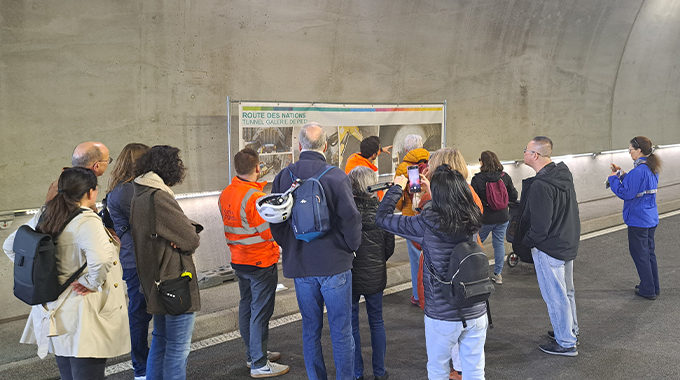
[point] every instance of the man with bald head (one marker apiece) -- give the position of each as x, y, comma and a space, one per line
551, 227
89, 154
322, 268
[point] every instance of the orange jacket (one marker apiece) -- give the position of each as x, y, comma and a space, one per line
405, 204
252, 243
357, 159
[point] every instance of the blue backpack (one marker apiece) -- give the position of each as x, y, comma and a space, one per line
310, 218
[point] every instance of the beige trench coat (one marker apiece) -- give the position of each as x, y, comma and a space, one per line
94, 325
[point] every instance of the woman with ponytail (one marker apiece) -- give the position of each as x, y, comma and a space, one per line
638, 188
88, 322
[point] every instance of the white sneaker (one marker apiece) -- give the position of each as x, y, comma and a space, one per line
272, 356
269, 370
140, 377
497, 278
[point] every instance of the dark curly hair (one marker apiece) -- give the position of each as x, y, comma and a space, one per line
163, 160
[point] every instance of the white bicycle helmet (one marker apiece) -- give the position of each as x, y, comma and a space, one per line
275, 208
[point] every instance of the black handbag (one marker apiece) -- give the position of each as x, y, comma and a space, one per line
175, 294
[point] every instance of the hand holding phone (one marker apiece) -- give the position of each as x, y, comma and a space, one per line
414, 179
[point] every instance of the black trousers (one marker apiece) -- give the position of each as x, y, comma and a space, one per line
71, 368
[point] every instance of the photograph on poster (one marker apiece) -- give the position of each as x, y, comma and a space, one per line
267, 139
394, 135
331, 139
350, 140
272, 163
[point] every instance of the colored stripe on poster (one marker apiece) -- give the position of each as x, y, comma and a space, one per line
340, 109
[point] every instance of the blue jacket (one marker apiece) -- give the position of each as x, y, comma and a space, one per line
437, 248
332, 253
637, 211
118, 203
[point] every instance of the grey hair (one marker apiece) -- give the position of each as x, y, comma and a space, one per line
306, 143
88, 158
412, 142
361, 178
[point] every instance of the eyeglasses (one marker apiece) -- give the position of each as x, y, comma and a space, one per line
532, 151
110, 160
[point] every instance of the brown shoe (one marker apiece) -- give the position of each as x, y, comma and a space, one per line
455, 375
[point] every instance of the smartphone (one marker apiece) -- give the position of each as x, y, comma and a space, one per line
414, 179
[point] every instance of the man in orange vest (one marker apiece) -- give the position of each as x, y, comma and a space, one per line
254, 255
370, 149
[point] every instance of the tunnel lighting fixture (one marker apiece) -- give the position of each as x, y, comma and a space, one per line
614, 151
197, 195
668, 146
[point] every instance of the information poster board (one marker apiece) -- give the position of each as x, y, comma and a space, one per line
272, 129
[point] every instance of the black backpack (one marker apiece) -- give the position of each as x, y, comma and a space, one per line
467, 281
35, 265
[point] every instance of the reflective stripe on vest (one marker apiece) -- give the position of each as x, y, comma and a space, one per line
244, 222
638, 195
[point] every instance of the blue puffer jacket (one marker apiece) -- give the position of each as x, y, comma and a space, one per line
118, 203
437, 248
638, 211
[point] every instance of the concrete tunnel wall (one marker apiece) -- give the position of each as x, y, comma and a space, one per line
589, 74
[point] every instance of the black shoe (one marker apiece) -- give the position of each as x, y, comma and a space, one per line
383, 377
551, 334
637, 293
553, 348
359, 378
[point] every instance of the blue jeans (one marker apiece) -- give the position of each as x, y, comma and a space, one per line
498, 242
641, 246
139, 322
378, 339
441, 336
556, 282
336, 292
258, 292
170, 346
414, 260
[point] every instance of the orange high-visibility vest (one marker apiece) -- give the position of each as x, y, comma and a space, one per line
248, 235
357, 159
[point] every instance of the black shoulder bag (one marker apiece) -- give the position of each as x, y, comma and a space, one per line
175, 294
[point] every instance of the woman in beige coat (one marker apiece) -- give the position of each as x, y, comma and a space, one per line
88, 322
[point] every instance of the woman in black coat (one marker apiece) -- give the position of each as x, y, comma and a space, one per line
369, 272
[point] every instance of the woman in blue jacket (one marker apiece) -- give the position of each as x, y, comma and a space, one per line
637, 188
449, 219
118, 202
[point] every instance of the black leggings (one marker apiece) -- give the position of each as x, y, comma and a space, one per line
71, 368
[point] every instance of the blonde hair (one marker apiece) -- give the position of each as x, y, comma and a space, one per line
451, 157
